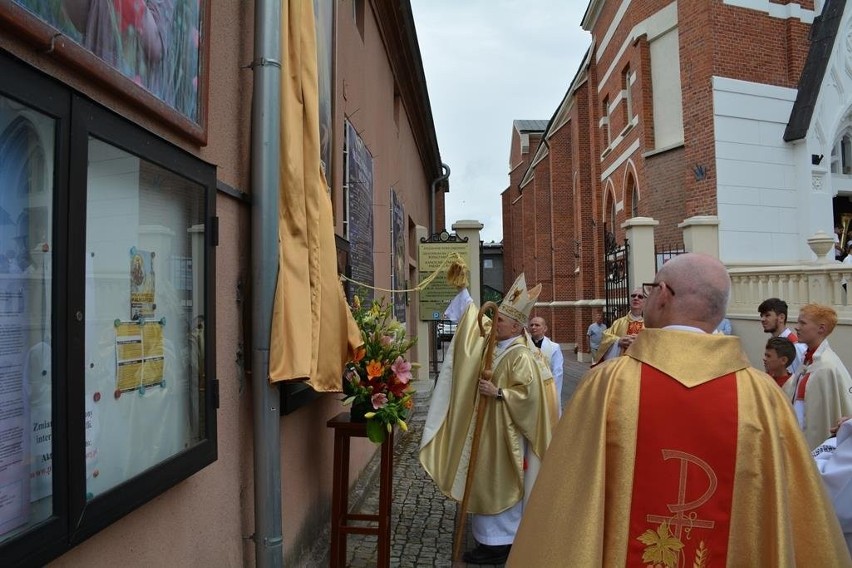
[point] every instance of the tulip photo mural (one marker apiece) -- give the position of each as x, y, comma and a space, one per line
155, 43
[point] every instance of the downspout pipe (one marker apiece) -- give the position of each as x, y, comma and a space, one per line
265, 160
444, 168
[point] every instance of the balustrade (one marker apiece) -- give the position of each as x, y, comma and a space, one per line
796, 285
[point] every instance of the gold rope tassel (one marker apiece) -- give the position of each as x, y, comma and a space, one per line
457, 265
457, 273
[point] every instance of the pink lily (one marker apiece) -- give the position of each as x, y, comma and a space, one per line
379, 400
402, 369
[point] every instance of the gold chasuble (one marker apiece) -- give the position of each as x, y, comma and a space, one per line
498, 479
309, 312
625, 325
679, 454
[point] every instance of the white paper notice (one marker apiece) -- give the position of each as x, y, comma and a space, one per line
14, 411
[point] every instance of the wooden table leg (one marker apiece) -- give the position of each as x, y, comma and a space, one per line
339, 499
344, 430
385, 497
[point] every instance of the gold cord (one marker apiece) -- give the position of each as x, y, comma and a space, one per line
453, 257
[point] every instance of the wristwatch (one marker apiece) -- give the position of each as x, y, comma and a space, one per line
499, 394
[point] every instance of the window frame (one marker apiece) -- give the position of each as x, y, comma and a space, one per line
74, 519
628, 96
36, 93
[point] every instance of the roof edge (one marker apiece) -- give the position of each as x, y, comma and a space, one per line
823, 35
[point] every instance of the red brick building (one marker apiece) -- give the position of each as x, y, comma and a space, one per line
637, 135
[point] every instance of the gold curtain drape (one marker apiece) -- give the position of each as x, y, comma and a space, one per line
313, 333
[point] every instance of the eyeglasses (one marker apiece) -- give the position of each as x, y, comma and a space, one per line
648, 286
640, 296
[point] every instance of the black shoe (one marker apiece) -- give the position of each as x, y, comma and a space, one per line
485, 554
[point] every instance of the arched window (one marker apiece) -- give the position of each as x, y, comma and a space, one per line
634, 202
612, 213
841, 155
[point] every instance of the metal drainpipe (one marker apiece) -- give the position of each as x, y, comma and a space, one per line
444, 167
265, 159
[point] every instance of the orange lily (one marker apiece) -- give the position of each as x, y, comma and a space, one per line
374, 369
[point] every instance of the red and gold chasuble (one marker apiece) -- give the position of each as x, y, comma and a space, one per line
685, 463
678, 454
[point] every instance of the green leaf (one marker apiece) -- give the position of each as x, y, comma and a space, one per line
376, 431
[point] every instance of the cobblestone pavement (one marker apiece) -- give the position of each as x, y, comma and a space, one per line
422, 519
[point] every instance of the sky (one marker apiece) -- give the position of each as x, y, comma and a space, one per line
487, 63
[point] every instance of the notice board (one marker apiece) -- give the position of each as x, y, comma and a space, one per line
435, 298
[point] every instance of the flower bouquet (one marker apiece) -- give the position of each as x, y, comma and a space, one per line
376, 382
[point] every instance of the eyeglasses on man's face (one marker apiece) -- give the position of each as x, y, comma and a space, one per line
638, 296
648, 286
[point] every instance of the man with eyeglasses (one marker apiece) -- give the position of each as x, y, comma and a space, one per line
623, 331
680, 451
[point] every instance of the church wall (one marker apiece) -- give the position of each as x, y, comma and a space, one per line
517, 244
831, 118
508, 251
629, 43
528, 218
521, 246
587, 194
768, 50
757, 193
588, 228
564, 232
798, 9
696, 42
543, 229
664, 198
515, 156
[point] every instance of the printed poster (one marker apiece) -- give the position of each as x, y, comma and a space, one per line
14, 410
142, 284
139, 354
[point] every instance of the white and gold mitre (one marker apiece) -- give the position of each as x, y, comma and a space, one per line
518, 301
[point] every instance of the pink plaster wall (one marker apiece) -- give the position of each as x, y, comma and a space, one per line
207, 519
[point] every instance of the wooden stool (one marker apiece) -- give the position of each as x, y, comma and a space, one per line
344, 430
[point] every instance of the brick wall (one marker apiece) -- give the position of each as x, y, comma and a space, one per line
543, 257
508, 243
563, 230
440, 211
523, 213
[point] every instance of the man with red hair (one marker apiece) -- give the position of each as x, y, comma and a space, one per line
821, 389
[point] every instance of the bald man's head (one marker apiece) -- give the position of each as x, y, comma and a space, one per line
695, 292
538, 328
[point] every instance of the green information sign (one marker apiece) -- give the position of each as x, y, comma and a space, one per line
435, 298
